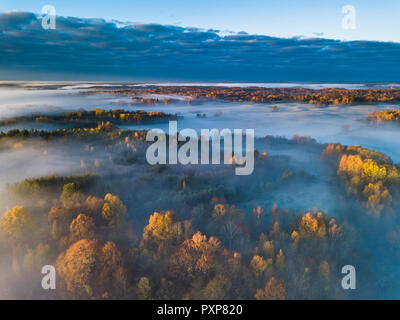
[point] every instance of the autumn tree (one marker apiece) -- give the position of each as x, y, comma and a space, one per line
218, 288
369, 175
259, 265
196, 258
268, 249
77, 267
113, 274
82, 227
280, 260
114, 211
16, 225
324, 270
89, 270
93, 207
274, 290
312, 225
228, 223
59, 219
143, 289
258, 216
71, 195
275, 230
163, 229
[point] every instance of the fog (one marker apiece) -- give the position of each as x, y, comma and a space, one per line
17, 101
327, 124
311, 183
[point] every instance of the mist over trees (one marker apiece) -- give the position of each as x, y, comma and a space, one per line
129, 230
116, 227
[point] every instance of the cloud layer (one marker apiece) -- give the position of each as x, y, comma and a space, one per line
95, 49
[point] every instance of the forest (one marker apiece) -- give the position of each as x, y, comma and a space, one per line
119, 228
384, 116
326, 96
91, 118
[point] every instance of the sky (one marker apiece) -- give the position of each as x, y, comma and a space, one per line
376, 20
231, 40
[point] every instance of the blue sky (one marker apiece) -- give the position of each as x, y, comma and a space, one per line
376, 20
282, 41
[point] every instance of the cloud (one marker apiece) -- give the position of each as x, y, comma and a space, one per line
98, 49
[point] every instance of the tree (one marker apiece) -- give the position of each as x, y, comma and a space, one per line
82, 227
350, 165
71, 195
143, 289
228, 223
259, 265
195, 259
280, 260
268, 249
89, 270
159, 227
274, 290
217, 288
324, 270
114, 210
59, 220
77, 267
378, 196
258, 216
295, 237
93, 206
113, 275
163, 229
16, 225
275, 230
312, 226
